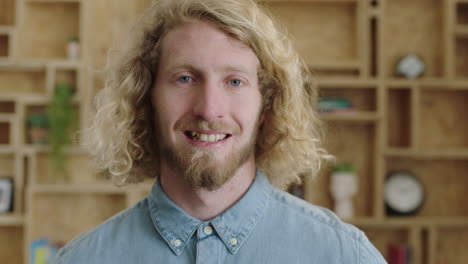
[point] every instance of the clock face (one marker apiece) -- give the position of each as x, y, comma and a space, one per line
404, 193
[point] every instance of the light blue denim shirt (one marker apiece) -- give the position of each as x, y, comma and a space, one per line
266, 226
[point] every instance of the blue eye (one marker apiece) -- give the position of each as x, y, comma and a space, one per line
184, 79
235, 82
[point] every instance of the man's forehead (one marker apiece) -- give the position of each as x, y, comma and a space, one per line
182, 44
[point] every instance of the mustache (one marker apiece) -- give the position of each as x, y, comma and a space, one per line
204, 125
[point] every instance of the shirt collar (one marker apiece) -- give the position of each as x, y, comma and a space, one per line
233, 226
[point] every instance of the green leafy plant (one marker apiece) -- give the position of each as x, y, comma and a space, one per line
61, 115
344, 167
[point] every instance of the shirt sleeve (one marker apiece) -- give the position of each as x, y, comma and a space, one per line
368, 254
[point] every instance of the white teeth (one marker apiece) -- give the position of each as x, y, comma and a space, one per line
207, 137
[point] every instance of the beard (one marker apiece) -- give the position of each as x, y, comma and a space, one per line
199, 168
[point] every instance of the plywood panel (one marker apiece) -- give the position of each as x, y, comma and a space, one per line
7, 12
112, 20
322, 32
444, 123
11, 241
451, 245
345, 140
445, 182
47, 28
414, 27
22, 82
398, 117
73, 214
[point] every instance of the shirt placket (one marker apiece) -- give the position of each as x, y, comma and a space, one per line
208, 245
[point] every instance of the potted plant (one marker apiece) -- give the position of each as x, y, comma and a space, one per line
73, 48
61, 115
38, 128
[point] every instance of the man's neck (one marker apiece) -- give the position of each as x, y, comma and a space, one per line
201, 203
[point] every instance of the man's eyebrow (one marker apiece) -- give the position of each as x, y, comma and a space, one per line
182, 66
227, 68
237, 68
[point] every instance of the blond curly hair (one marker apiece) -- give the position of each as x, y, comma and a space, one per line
122, 134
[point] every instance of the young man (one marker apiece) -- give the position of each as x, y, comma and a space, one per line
212, 100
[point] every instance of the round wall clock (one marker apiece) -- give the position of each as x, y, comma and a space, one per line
404, 194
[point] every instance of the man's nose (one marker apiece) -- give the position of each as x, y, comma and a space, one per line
210, 102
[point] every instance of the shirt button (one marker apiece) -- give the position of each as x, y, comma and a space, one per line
233, 241
177, 243
208, 230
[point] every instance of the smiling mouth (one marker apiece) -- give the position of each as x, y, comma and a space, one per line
207, 138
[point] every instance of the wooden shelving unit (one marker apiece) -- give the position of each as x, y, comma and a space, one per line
398, 124
352, 46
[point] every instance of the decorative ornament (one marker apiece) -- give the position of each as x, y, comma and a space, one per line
343, 186
411, 67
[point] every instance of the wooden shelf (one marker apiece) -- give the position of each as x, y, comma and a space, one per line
414, 154
461, 31
397, 222
335, 65
6, 30
53, 1
102, 188
39, 64
11, 220
346, 83
351, 46
313, 1
352, 117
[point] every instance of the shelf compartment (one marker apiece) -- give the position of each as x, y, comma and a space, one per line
7, 162
451, 245
73, 213
39, 106
7, 12
443, 122
4, 46
85, 175
325, 26
67, 77
383, 237
406, 31
461, 57
7, 106
444, 181
48, 25
5, 132
362, 99
27, 81
462, 13
11, 239
398, 117
344, 140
